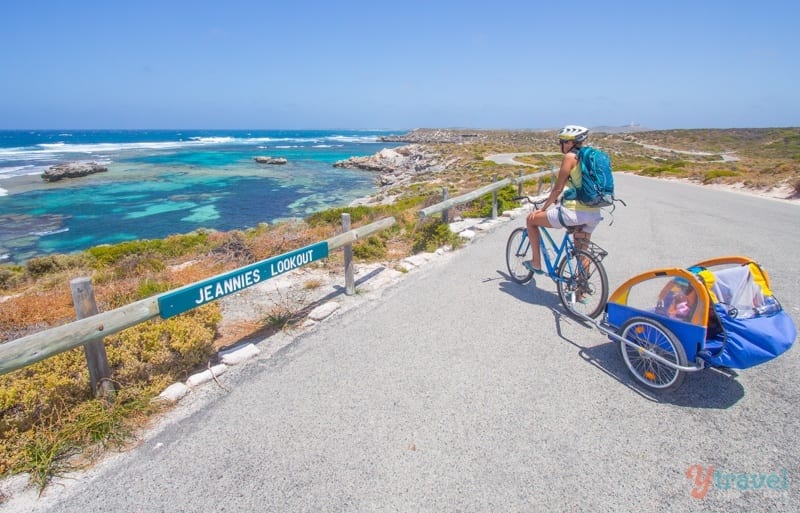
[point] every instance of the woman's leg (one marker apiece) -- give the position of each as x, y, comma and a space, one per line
582, 240
534, 220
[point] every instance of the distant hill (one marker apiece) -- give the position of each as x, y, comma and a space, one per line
625, 129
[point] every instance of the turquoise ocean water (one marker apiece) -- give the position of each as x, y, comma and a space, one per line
163, 182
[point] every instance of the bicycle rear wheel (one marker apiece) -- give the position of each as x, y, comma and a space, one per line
653, 336
582, 284
518, 250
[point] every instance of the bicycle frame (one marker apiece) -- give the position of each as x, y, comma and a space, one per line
579, 275
559, 250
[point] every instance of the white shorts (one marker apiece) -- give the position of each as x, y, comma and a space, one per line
589, 218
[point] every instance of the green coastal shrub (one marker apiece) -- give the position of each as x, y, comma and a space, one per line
150, 287
676, 168
403, 204
712, 175
433, 235
11, 276
47, 412
334, 216
482, 207
232, 246
787, 145
370, 249
48, 264
172, 246
138, 265
44, 451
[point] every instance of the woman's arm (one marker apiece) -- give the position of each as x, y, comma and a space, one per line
567, 163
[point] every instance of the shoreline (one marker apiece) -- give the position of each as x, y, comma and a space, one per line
393, 171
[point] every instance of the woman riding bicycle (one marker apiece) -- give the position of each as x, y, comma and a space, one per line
569, 212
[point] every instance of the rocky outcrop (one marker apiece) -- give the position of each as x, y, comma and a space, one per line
72, 170
398, 165
270, 160
433, 136
530, 138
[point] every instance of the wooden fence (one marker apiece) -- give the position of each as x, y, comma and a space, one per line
543, 177
91, 326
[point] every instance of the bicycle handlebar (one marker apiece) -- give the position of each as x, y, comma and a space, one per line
529, 199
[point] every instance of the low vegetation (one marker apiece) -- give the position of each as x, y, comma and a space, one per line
49, 422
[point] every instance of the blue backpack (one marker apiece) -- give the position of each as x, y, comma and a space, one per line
597, 181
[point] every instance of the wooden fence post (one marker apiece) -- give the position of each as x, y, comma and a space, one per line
446, 212
494, 200
541, 182
349, 278
95, 351
519, 185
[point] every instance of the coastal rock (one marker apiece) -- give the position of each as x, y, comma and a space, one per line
72, 170
397, 165
270, 160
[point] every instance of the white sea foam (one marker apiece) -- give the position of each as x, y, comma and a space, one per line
50, 232
26, 153
34, 160
8, 172
213, 140
53, 148
354, 138
3, 192
47, 151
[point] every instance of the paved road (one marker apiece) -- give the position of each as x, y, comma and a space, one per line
458, 390
511, 158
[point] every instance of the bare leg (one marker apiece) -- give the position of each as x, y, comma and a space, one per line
581, 241
534, 220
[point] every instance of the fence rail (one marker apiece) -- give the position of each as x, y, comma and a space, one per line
492, 188
33, 348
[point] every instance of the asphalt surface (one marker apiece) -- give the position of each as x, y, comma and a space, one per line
457, 390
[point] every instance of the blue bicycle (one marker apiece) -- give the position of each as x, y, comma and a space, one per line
579, 274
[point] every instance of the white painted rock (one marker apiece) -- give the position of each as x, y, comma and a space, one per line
323, 311
238, 355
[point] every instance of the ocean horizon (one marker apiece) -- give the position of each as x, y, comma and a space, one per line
165, 182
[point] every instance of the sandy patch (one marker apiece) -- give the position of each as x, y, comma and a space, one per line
782, 192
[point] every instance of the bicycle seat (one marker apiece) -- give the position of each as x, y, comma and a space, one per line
576, 228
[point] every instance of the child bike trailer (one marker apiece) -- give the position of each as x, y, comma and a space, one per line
717, 313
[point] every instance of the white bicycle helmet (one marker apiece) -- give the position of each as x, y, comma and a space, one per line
573, 133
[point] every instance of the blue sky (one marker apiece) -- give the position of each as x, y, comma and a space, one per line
398, 65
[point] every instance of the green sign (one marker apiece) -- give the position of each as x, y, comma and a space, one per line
200, 293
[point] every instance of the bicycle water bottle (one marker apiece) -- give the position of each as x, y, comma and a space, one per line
769, 307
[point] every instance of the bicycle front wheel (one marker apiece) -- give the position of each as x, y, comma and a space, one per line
518, 249
582, 284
